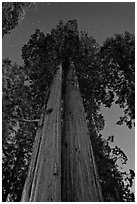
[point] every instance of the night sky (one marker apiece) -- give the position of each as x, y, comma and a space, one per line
101, 20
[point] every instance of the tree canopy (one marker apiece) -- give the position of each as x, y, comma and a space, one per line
18, 134
117, 62
105, 74
12, 14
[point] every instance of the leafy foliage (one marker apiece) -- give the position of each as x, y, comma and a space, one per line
116, 184
118, 74
12, 14
18, 135
101, 76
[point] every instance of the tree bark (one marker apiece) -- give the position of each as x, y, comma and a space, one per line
80, 181
44, 177
62, 167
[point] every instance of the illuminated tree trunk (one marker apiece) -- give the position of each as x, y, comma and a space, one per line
44, 177
80, 181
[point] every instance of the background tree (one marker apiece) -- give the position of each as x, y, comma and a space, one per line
12, 14
107, 160
117, 74
18, 132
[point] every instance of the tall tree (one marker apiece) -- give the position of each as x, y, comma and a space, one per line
64, 51
80, 180
44, 177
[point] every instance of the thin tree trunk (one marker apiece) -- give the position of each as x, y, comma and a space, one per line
44, 177
80, 181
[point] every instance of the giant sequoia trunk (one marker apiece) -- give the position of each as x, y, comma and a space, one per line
62, 166
80, 181
44, 176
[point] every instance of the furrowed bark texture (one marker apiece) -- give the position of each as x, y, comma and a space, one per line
80, 181
44, 176
62, 166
